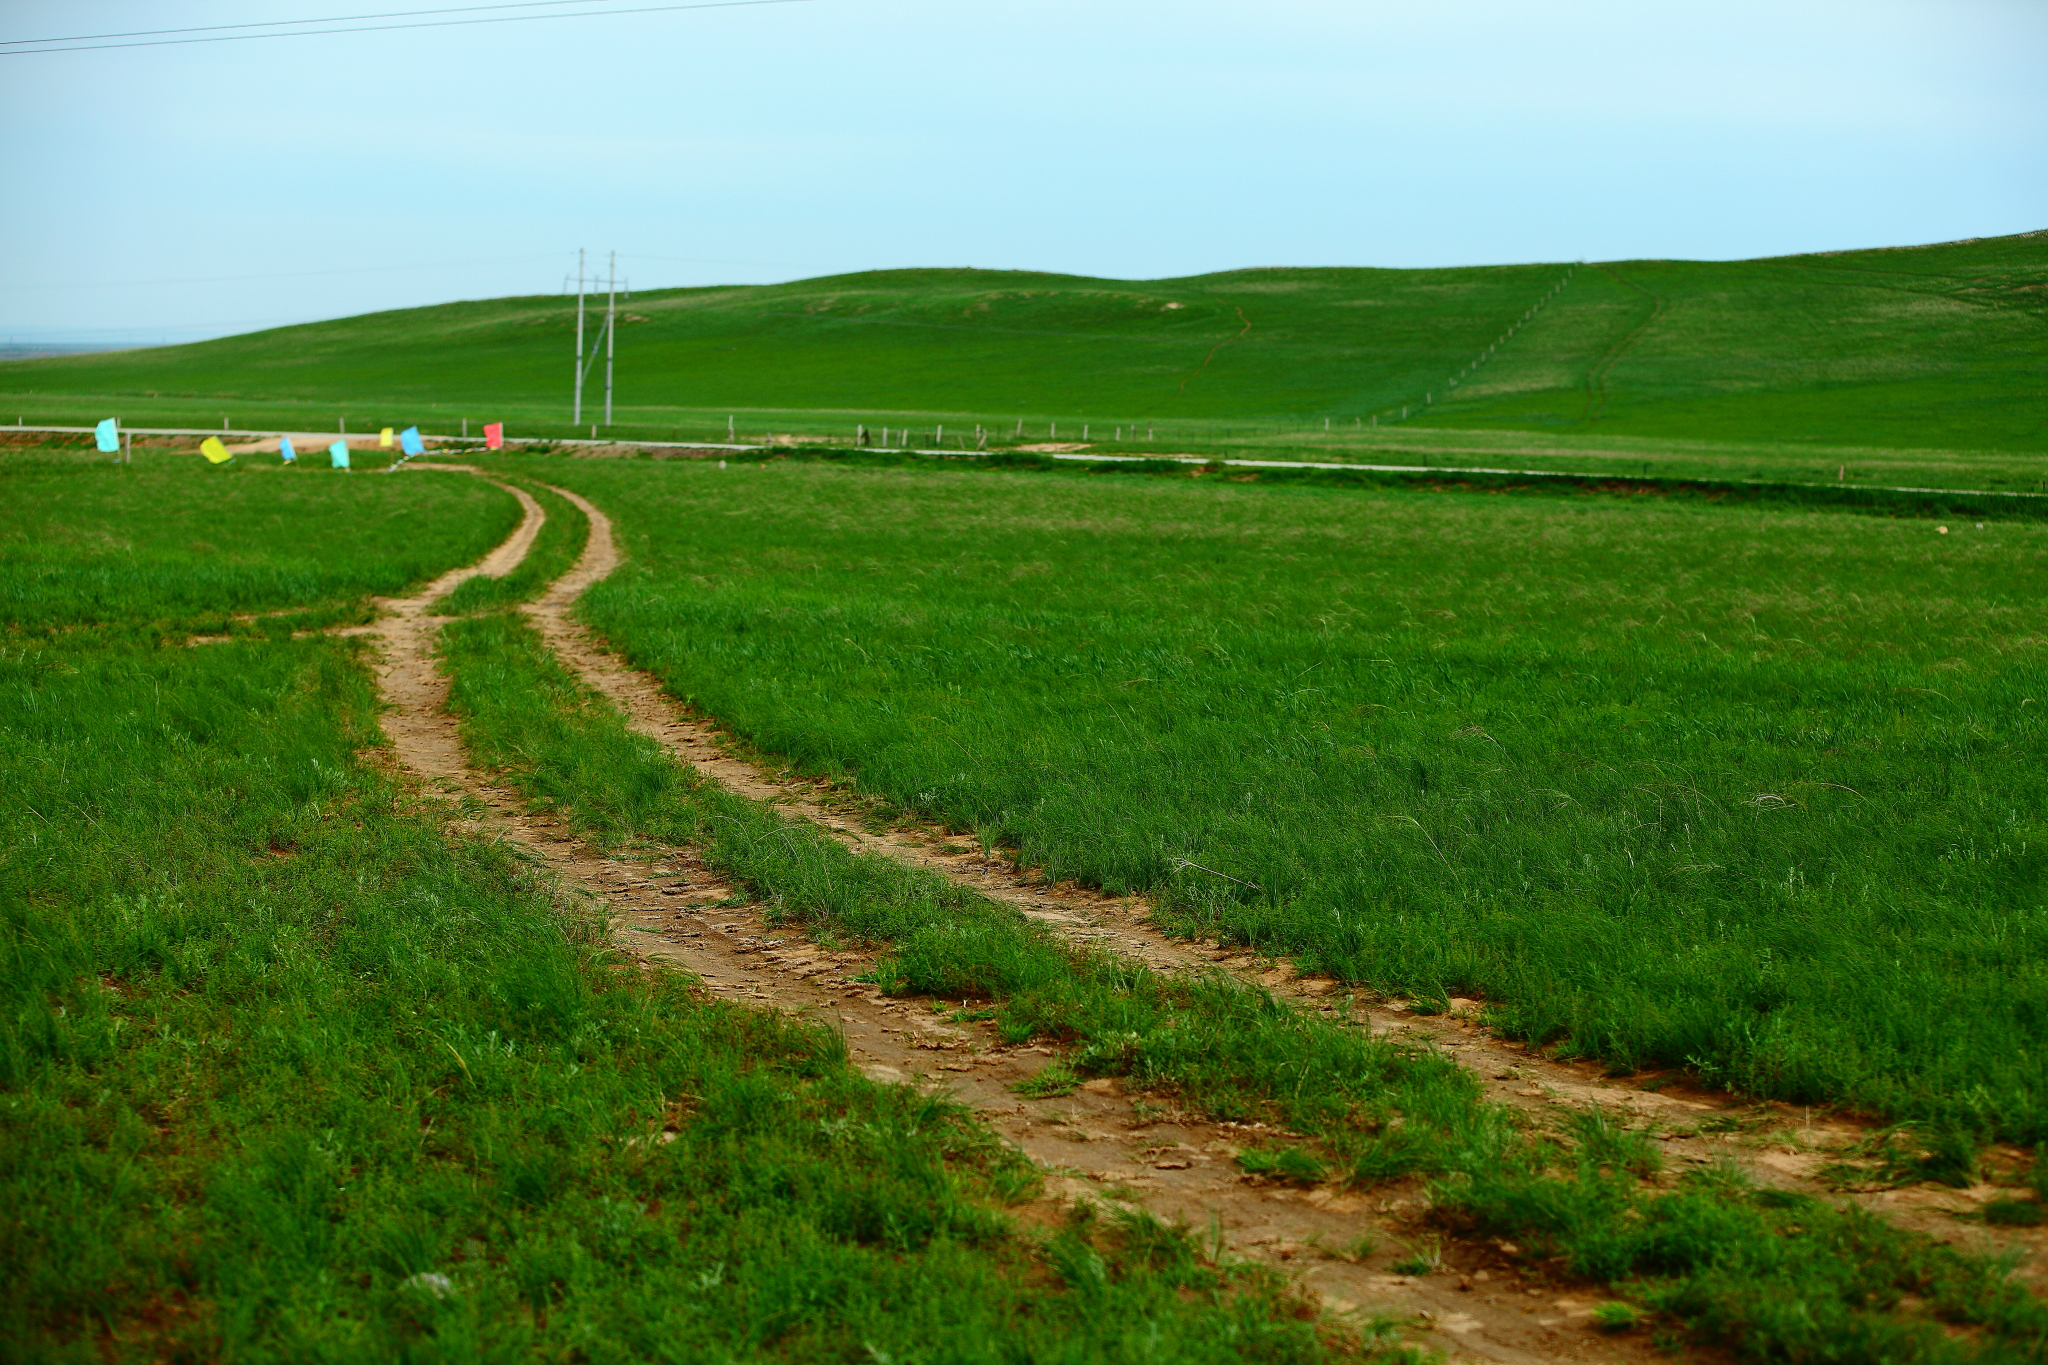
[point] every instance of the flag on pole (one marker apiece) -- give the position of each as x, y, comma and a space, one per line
494, 436
284, 448
108, 436
338, 452
409, 441
384, 439
213, 450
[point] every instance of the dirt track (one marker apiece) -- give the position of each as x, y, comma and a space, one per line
1098, 1143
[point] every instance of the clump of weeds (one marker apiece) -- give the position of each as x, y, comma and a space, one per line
1424, 1260
1050, 1081
1615, 1316
2014, 1213
1293, 1165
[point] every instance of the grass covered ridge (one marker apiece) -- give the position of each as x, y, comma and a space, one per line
1924, 347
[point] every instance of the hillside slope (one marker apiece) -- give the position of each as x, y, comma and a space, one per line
1927, 346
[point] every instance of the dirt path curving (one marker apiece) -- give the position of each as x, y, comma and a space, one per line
1777, 1144
1099, 1143
407, 675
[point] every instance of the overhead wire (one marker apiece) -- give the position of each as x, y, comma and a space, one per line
24, 51
289, 23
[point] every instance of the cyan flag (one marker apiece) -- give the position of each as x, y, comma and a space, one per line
284, 448
339, 453
409, 441
108, 434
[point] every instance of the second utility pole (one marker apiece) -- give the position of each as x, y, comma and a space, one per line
611, 333
576, 405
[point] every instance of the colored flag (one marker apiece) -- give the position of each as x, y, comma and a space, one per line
339, 452
108, 435
494, 436
284, 448
213, 450
409, 441
384, 439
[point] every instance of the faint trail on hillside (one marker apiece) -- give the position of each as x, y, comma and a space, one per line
1217, 347
1596, 378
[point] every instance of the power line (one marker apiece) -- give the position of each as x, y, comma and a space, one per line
386, 28
288, 23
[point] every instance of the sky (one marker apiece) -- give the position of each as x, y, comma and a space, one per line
173, 192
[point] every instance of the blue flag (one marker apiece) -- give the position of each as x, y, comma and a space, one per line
410, 442
108, 435
284, 448
339, 453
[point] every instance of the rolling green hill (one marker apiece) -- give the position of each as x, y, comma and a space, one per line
1937, 347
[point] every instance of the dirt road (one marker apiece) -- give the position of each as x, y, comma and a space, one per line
1098, 1143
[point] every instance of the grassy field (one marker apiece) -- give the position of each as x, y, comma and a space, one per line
308, 545
1766, 1275
290, 1070
1750, 792
1911, 365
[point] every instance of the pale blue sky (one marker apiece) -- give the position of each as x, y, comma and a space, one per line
162, 193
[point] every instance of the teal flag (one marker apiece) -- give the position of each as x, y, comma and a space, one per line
284, 448
108, 434
409, 441
339, 452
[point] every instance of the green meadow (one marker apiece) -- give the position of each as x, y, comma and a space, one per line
290, 1070
1750, 792
1710, 1259
1916, 365
173, 546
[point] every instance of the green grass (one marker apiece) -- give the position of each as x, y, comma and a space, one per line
1917, 365
185, 548
290, 1070
1768, 1276
1231, 1051
1750, 792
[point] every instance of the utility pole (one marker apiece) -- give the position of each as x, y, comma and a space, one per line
611, 333
576, 405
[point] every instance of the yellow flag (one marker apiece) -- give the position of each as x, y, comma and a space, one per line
213, 450
384, 439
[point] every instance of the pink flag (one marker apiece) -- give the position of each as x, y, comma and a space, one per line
494, 436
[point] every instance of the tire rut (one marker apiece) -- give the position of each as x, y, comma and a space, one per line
1780, 1145
1098, 1144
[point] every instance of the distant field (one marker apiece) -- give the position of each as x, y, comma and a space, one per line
1924, 364
1751, 792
